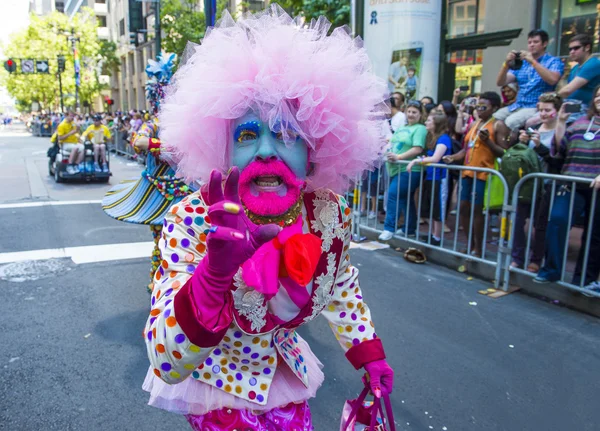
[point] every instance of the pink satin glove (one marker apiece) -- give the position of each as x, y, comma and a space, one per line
232, 238
381, 377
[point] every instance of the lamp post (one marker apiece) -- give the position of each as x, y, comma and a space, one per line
157, 35
76, 65
60, 69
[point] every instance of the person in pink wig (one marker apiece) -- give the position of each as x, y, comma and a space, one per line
276, 118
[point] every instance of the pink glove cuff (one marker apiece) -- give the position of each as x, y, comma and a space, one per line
203, 307
365, 352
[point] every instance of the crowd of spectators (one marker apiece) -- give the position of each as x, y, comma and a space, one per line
525, 126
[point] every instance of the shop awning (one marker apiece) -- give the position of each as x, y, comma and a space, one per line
482, 41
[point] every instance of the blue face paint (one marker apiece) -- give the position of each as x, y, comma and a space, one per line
253, 140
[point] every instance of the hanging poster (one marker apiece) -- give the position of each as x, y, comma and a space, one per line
402, 38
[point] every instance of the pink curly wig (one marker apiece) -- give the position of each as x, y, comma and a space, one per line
295, 77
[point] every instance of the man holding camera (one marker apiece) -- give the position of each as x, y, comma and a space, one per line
535, 71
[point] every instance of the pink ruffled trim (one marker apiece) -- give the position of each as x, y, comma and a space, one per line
192, 397
296, 77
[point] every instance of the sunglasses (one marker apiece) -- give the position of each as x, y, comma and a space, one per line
414, 103
574, 48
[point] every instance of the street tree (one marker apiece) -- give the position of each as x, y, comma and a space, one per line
336, 11
48, 37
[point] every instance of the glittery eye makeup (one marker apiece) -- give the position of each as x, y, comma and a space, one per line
278, 134
248, 131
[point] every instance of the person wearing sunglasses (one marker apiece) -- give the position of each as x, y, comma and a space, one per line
584, 76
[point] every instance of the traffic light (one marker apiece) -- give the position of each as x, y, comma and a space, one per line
61, 64
10, 65
110, 102
133, 38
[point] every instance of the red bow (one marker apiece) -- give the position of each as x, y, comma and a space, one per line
300, 252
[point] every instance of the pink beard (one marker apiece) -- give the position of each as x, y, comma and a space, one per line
269, 203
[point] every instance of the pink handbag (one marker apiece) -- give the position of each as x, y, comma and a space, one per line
361, 415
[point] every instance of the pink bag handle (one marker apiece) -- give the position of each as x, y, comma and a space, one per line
377, 409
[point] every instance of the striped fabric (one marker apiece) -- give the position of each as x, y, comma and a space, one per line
582, 158
139, 201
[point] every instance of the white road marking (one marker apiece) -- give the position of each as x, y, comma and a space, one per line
36, 184
83, 254
46, 203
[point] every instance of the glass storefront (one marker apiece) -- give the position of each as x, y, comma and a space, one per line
563, 19
466, 17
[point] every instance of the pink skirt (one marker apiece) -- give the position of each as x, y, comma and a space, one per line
192, 397
293, 417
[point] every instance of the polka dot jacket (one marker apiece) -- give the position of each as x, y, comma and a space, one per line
242, 360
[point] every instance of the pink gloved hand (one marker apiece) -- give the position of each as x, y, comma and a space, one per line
381, 377
232, 238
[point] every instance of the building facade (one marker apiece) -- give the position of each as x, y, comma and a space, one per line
562, 19
127, 83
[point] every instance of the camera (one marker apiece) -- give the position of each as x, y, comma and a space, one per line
517, 63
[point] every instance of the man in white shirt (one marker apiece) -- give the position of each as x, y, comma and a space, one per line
398, 119
397, 71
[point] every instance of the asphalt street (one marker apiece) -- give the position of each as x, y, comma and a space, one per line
72, 356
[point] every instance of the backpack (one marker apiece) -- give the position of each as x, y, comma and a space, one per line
518, 161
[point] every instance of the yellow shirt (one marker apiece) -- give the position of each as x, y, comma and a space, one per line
97, 134
63, 129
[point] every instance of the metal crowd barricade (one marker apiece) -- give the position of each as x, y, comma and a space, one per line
122, 147
555, 181
373, 225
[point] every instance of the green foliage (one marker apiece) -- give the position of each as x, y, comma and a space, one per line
180, 21
336, 11
47, 38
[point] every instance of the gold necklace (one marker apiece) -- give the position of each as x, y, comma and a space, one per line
286, 219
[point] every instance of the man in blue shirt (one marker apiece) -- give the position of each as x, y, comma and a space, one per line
585, 75
539, 74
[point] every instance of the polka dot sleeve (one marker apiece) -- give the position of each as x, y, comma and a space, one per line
172, 354
348, 315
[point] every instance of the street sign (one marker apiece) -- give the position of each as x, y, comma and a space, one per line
41, 66
27, 66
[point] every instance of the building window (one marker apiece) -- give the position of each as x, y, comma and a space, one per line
101, 21
131, 65
471, 11
465, 17
122, 27
123, 69
101, 1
